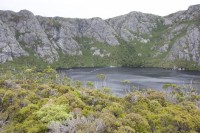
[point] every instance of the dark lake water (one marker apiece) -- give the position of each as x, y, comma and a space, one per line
141, 78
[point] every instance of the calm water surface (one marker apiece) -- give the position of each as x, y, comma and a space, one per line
142, 78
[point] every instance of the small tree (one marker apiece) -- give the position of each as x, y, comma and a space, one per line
102, 78
66, 81
78, 84
90, 84
106, 90
50, 75
126, 83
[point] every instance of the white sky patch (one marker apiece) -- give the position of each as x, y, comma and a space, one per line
93, 8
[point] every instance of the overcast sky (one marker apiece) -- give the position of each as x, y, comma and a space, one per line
96, 8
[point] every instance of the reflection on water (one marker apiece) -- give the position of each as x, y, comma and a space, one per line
142, 78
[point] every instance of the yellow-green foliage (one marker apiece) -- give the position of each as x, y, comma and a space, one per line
39, 101
51, 112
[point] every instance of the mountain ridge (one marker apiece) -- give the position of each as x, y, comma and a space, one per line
165, 39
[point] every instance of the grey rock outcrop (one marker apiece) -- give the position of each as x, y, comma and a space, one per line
45, 36
99, 29
98, 52
176, 35
193, 13
187, 47
63, 32
133, 25
28, 32
60, 33
9, 46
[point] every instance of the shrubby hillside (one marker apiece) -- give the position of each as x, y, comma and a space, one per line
42, 101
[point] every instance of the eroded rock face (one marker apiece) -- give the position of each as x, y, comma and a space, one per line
61, 34
9, 46
29, 34
193, 13
184, 34
133, 25
46, 37
99, 29
187, 47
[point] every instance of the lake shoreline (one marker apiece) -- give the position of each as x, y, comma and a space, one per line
164, 68
142, 78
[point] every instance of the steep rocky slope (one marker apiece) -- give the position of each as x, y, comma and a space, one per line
29, 34
185, 28
9, 46
161, 39
131, 26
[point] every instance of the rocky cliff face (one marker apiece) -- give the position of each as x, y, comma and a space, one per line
26, 29
184, 32
23, 32
131, 26
9, 46
188, 46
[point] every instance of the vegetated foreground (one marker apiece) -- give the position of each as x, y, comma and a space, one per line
32, 102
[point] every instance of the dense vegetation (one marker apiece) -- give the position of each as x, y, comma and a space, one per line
127, 54
42, 101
